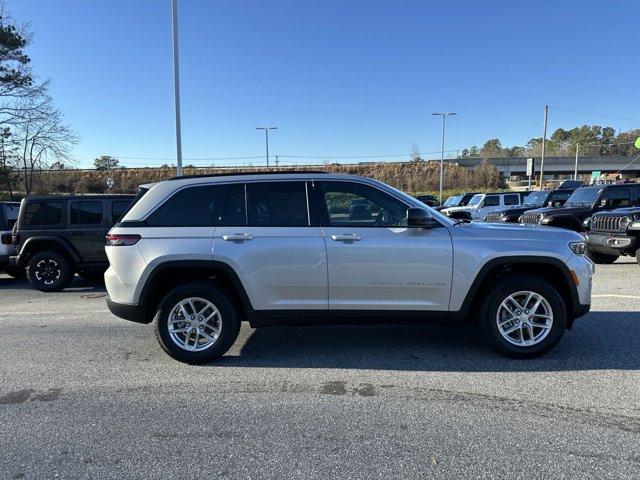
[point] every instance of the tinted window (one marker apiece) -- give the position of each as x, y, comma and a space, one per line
234, 211
355, 204
189, 207
86, 213
511, 200
558, 198
617, 197
277, 204
492, 201
43, 213
118, 209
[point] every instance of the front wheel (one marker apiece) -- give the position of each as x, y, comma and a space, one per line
523, 316
49, 271
196, 323
602, 258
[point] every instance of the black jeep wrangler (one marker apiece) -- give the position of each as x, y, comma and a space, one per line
612, 234
582, 204
544, 198
58, 236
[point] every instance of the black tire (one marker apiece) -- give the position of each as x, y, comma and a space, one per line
92, 274
638, 256
602, 258
506, 286
229, 324
49, 271
15, 272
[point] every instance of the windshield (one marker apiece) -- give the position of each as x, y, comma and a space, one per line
475, 200
536, 199
585, 196
452, 201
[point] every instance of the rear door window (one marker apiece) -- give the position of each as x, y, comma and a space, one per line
86, 213
118, 209
190, 207
491, 201
512, 200
277, 204
43, 213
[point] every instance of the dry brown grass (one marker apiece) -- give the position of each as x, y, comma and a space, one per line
412, 177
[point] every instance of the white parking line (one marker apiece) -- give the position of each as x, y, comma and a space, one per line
614, 295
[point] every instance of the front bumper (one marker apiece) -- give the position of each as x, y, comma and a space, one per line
133, 313
611, 244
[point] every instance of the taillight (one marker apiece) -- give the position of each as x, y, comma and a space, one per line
118, 240
6, 239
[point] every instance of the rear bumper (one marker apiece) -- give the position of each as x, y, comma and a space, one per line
612, 244
133, 313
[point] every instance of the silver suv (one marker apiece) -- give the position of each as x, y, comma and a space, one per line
198, 255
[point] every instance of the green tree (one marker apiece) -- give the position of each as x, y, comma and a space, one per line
106, 162
491, 148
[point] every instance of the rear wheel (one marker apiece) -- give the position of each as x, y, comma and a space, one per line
49, 271
522, 316
602, 258
196, 323
638, 256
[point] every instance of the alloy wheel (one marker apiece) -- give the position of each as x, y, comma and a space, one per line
524, 318
194, 324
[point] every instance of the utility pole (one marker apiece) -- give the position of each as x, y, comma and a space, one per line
444, 116
176, 85
277, 162
266, 138
544, 141
575, 170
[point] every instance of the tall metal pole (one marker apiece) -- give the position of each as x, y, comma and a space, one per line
266, 141
444, 116
575, 170
176, 85
544, 140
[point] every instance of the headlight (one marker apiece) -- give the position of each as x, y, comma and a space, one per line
624, 222
543, 219
587, 223
579, 248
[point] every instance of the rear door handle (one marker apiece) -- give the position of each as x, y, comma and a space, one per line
237, 237
346, 237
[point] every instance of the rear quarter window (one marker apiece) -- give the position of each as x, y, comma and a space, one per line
190, 207
46, 213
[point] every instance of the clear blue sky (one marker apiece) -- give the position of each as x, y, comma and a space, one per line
336, 77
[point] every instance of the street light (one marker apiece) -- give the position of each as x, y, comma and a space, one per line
443, 115
266, 138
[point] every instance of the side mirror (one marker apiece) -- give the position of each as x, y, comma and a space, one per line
420, 218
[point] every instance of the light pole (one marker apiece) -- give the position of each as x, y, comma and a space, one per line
266, 138
444, 116
176, 85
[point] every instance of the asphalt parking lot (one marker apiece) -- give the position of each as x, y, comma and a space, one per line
86, 395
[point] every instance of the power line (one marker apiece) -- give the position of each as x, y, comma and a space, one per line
595, 114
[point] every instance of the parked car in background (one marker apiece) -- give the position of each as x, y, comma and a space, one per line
482, 204
582, 204
544, 198
8, 217
58, 236
456, 201
429, 200
613, 234
360, 210
199, 255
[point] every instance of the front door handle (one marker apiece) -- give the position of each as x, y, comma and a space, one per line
346, 237
237, 237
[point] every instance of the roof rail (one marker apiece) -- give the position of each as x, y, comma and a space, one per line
261, 172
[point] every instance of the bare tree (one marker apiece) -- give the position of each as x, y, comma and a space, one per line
40, 138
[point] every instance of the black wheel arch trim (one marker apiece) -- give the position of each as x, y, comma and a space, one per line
576, 309
31, 243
